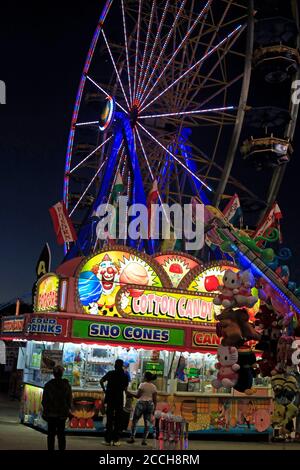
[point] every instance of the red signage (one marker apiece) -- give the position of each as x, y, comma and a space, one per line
205, 339
48, 326
11, 325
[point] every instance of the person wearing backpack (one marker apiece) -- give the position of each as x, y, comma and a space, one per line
57, 403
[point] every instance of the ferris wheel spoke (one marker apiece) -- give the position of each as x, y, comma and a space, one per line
186, 113
190, 30
115, 67
216, 65
87, 188
105, 93
173, 156
145, 48
126, 49
166, 42
137, 47
153, 48
92, 153
208, 54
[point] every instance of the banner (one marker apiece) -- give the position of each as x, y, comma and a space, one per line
233, 211
62, 224
271, 220
43, 265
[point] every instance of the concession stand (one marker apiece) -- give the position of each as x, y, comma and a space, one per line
154, 312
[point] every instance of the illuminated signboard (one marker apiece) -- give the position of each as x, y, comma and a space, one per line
101, 276
48, 326
177, 265
204, 339
207, 278
122, 332
47, 294
11, 325
165, 305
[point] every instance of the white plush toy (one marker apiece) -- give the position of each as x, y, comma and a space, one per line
244, 297
230, 287
227, 376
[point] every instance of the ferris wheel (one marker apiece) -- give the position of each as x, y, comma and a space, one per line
162, 98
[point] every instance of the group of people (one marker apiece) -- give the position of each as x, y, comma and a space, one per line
57, 404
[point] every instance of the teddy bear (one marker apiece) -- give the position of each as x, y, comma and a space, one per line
267, 363
235, 327
247, 372
244, 297
284, 354
227, 376
269, 324
230, 287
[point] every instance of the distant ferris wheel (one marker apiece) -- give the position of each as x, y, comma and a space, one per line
162, 98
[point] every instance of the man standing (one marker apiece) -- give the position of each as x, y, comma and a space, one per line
117, 383
57, 402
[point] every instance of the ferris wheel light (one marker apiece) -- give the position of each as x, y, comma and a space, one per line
107, 113
186, 113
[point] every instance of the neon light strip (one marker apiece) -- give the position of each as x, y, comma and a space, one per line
105, 11
154, 46
185, 113
165, 43
174, 156
92, 153
126, 48
209, 53
146, 47
137, 47
115, 67
88, 186
88, 123
104, 92
201, 14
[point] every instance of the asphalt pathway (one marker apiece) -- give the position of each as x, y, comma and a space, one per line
16, 436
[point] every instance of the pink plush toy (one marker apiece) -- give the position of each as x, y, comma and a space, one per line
227, 376
230, 287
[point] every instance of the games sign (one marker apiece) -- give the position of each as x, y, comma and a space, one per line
165, 304
47, 298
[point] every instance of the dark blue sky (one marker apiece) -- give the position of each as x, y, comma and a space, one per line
42, 55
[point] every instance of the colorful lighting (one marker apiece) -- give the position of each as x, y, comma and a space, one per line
208, 54
201, 14
174, 156
92, 153
186, 113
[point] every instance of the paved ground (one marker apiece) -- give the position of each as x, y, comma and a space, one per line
15, 436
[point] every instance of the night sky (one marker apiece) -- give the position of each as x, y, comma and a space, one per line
42, 55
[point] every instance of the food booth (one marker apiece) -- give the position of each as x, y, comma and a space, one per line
154, 312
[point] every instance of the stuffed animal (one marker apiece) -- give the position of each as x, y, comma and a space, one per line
244, 297
269, 325
284, 354
285, 387
228, 367
236, 328
230, 287
267, 363
247, 363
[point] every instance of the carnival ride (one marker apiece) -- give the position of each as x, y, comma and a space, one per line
168, 99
